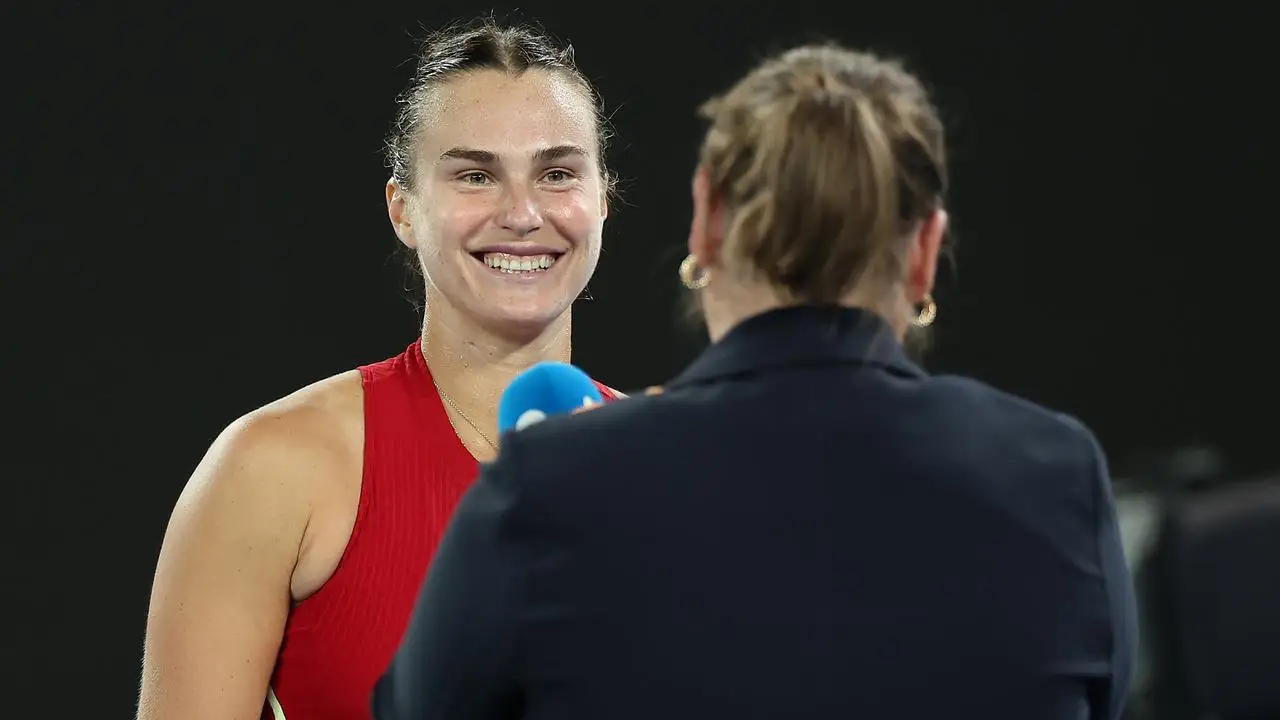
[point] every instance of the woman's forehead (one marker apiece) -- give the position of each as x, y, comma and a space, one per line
509, 115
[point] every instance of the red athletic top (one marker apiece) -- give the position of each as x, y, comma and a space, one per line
338, 642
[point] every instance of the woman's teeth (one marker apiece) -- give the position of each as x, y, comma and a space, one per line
518, 263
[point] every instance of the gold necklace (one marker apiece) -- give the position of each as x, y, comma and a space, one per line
449, 401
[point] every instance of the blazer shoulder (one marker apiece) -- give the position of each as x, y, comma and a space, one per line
984, 398
1014, 432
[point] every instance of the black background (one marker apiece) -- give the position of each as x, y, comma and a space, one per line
195, 226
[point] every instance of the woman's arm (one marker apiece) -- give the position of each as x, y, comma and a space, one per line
222, 586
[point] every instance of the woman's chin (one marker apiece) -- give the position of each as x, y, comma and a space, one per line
526, 321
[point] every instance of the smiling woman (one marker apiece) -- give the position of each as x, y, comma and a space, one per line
551, 214
516, 258
511, 175
293, 557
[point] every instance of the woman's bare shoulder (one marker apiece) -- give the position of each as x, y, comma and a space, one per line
292, 448
314, 419
224, 578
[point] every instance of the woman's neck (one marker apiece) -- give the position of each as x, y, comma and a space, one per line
727, 305
471, 366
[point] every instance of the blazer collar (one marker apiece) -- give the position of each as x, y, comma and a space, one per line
801, 335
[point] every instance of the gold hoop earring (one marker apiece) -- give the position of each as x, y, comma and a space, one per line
927, 314
691, 275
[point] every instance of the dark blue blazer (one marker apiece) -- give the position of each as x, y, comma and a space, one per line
804, 525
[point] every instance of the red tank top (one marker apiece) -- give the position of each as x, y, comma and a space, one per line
338, 642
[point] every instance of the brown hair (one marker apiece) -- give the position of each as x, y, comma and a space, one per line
479, 44
825, 158
482, 44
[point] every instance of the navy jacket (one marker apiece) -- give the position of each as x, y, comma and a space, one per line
803, 525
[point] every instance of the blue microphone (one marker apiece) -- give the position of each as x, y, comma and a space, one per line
544, 390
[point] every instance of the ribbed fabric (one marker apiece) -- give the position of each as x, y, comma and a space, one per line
339, 641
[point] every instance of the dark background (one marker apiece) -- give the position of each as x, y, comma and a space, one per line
195, 226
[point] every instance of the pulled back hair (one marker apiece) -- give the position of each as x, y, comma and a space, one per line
825, 158
481, 44
473, 46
